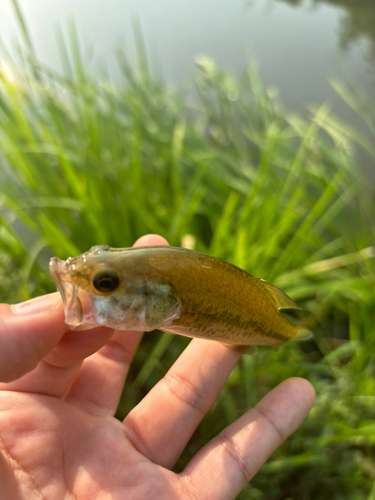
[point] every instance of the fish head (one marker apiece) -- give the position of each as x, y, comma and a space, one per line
80, 280
108, 287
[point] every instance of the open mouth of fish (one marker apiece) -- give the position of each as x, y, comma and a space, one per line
77, 303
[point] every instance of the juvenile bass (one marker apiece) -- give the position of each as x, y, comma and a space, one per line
174, 290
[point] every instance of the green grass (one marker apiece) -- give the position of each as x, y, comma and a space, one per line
86, 162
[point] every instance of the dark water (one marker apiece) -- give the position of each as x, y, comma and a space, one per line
298, 43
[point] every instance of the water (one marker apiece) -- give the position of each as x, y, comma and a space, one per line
298, 43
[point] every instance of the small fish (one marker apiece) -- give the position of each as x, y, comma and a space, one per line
174, 290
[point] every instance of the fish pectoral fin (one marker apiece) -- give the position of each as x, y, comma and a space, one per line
243, 349
283, 301
162, 306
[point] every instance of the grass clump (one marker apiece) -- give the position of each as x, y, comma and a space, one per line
86, 162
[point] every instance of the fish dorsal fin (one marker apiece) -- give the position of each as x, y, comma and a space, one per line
283, 301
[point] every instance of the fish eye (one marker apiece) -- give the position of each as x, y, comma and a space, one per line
106, 281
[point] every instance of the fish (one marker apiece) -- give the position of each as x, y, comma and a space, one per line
174, 290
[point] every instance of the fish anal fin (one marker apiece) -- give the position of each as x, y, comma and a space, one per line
303, 334
283, 301
243, 349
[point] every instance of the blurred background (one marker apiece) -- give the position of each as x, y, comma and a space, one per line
242, 129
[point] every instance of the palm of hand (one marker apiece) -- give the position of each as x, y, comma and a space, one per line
62, 440
58, 450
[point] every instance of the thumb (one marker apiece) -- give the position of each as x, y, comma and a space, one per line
28, 332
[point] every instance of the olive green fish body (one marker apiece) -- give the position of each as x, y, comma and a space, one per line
222, 302
176, 290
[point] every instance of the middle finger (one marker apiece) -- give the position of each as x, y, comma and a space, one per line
54, 374
162, 424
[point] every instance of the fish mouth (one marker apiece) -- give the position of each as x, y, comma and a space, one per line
73, 310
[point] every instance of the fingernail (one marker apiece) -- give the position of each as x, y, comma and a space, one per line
37, 305
150, 239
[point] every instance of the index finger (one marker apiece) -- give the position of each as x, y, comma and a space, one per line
28, 332
35, 331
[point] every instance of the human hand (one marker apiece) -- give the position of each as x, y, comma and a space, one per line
60, 390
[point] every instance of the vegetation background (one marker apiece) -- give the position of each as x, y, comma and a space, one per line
226, 170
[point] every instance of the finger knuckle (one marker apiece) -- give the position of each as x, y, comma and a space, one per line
271, 422
184, 390
230, 448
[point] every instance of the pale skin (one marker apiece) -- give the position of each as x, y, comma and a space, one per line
59, 392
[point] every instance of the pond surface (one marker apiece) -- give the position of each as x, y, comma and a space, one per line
298, 43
